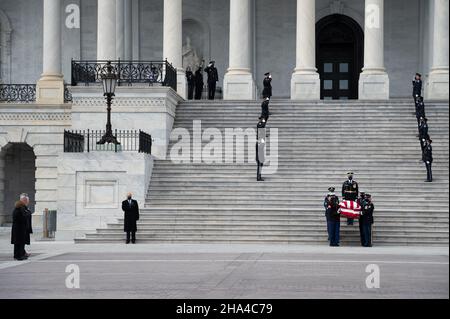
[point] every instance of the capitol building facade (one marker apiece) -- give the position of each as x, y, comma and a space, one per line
53, 51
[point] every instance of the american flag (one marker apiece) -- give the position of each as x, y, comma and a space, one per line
350, 209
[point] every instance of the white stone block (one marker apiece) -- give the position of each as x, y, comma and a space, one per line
305, 86
374, 86
238, 86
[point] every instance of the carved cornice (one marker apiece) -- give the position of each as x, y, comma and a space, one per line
33, 116
119, 102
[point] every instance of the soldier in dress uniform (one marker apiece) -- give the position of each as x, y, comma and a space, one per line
367, 221
361, 199
420, 108
326, 204
260, 148
417, 86
199, 82
423, 132
267, 84
350, 191
427, 158
213, 78
265, 109
190, 78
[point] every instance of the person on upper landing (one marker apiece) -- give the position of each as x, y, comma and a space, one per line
417, 86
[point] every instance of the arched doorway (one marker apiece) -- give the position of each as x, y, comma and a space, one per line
19, 167
340, 56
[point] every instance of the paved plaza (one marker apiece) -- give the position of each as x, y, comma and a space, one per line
223, 271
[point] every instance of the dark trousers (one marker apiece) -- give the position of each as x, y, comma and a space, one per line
132, 235
367, 235
361, 232
429, 172
198, 91
335, 227
211, 90
328, 229
19, 251
191, 91
259, 171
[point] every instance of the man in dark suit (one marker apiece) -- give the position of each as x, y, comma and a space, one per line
131, 210
267, 83
427, 158
21, 228
199, 83
213, 78
190, 78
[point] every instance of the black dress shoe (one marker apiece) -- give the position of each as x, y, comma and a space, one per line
260, 180
127, 242
21, 258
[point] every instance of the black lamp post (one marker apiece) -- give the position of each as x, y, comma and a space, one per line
109, 81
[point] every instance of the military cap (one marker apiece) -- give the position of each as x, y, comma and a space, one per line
331, 189
267, 74
418, 74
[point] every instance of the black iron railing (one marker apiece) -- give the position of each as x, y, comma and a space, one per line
86, 141
128, 72
25, 93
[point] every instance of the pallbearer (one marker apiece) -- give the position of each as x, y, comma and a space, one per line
267, 83
326, 204
260, 148
367, 221
334, 219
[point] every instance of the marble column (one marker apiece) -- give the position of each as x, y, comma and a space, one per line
438, 81
120, 29
173, 42
305, 82
128, 32
238, 82
106, 30
374, 80
50, 87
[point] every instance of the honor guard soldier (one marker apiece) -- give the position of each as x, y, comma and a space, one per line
267, 84
334, 219
417, 86
260, 148
265, 110
326, 205
420, 108
190, 78
427, 158
199, 82
423, 132
213, 78
360, 201
350, 191
366, 220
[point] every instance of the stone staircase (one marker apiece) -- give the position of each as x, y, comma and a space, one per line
318, 143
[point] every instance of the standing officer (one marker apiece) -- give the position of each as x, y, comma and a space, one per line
420, 108
267, 83
417, 86
190, 78
21, 227
350, 192
427, 158
334, 219
213, 78
360, 201
423, 129
131, 210
326, 204
367, 221
260, 148
265, 110
199, 82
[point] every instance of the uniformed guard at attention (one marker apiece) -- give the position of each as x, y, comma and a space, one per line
334, 219
267, 84
260, 148
213, 78
367, 221
417, 86
265, 110
427, 158
326, 204
361, 199
190, 78
420, 108
423, 129
199, 82
350, 191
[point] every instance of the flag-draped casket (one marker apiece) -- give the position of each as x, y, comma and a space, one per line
350, 209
